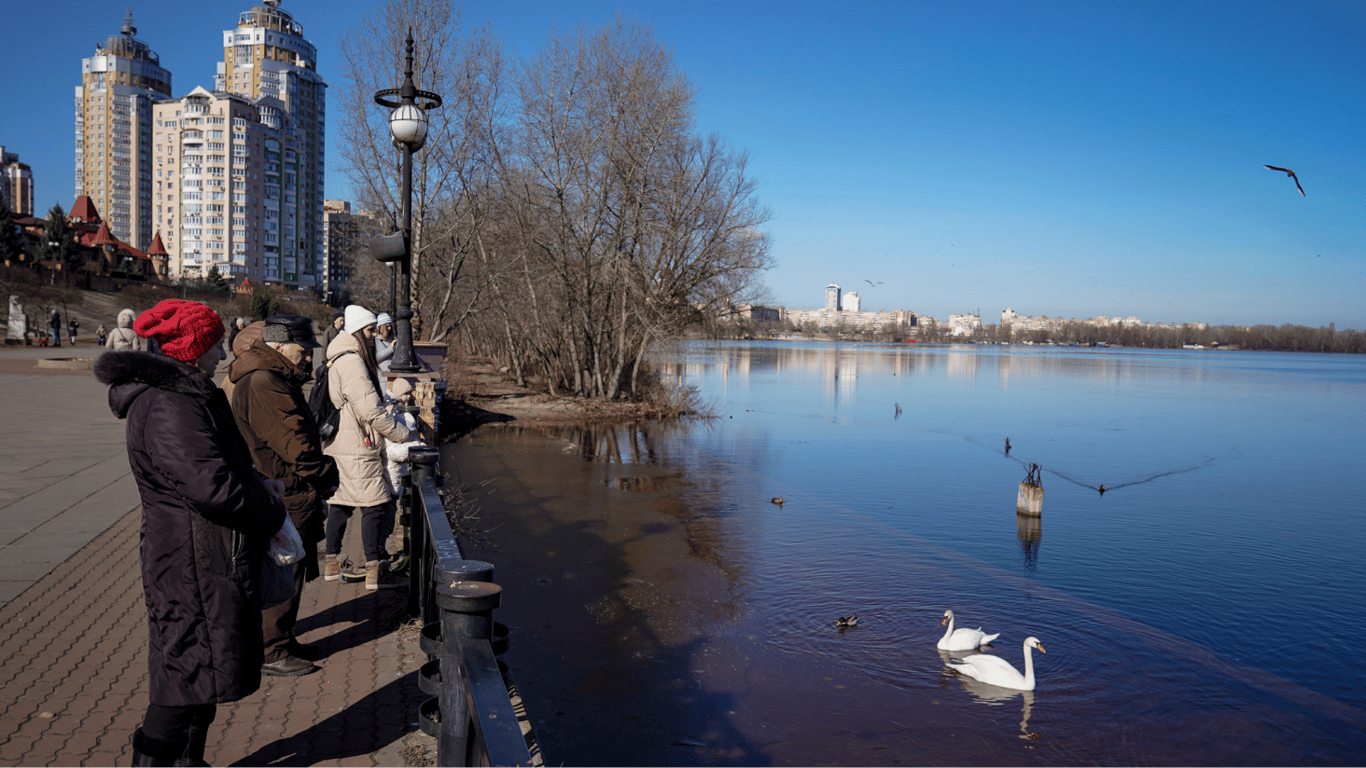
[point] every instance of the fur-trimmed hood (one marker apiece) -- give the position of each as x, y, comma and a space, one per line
129, 374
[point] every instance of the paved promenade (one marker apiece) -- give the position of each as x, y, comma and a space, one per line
73, 664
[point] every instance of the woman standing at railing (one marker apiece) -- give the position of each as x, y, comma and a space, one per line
207, 518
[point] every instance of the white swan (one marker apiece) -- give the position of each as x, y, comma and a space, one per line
962, 639
994, 670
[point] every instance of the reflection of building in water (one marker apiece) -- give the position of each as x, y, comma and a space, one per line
840, 368
963, 364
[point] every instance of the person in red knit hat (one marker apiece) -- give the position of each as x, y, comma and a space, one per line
207, 519
183, 329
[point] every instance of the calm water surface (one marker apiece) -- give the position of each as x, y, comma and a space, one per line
1205, 610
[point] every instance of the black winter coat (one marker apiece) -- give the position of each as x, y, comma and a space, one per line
206, 522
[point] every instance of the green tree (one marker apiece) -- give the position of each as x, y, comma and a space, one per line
215, 281
11, 235
264, 304
58, 242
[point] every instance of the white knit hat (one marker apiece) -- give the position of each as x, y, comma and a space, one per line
383, 318
356, 318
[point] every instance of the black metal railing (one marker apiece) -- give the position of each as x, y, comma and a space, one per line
472, 715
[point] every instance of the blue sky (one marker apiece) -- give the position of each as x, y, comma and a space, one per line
1066, 159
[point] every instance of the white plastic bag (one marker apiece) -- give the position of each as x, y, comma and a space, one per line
286, 548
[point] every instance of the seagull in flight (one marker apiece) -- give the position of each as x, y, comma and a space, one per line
1289, 173
870, 282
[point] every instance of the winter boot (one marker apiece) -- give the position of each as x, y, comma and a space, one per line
194, 750
377, 576
331, 568
150, 751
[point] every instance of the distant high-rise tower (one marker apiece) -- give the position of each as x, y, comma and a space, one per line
832, 297
114, 132
267, 58
16, 184
851, 302
341, 245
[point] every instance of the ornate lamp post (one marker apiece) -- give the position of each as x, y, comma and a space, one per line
408, 127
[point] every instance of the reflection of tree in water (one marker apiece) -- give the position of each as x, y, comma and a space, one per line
612, 618
634, 443
1029, 530
635, 457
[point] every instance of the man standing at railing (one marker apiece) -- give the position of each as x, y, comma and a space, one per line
272, 414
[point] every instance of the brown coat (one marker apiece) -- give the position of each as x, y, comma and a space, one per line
362, 429
268, 402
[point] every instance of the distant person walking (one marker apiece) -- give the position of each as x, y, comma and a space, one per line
56, 324
101, 334
329, 333
73, 325
353, 384
237, 325
123, 337
268, 378
207, 518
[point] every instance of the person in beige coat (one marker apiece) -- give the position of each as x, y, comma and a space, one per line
123, 337
358, 448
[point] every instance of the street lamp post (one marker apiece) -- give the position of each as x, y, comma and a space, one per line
408, 128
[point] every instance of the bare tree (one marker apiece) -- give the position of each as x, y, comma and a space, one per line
629, 224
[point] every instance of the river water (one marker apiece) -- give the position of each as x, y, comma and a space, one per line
1206, 609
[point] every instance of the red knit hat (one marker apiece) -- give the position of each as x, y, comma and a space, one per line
184, 329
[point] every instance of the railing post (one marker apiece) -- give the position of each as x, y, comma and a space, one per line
466, 618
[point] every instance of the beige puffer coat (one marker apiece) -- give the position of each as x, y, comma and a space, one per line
123, 337
363, 419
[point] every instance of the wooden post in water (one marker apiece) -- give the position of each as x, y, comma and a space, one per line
1030, 499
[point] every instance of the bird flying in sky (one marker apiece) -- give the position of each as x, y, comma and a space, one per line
870, 282
1289, 173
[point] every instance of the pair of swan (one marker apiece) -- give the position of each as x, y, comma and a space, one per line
992, 670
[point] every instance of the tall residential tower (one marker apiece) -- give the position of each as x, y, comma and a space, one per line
16, 184
114, 132
267, 61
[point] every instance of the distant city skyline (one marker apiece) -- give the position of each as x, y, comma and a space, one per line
1060, 158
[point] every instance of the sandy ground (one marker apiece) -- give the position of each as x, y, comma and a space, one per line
482, 392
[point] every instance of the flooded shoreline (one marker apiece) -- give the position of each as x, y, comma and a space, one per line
653, 623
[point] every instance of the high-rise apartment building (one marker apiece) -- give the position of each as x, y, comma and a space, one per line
114, 101
266, 60
16, 184
341, 242
225, 171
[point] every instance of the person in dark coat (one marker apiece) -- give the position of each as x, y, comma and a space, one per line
268, 401
207, 518
329, 334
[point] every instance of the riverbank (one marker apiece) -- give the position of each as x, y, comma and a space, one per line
481, 391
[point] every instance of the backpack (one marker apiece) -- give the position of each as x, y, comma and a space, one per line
325, 413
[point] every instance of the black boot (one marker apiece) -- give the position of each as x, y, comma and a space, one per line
194, 750
150, 751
